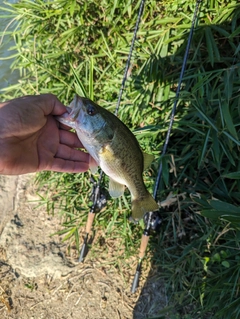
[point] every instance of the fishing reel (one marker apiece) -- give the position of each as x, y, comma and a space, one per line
99, 196
152, 221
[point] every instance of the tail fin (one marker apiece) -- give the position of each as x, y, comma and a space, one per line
140, 206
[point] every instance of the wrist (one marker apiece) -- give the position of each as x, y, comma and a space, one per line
3, 119
4, 156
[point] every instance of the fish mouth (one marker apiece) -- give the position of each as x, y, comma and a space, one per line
72, 109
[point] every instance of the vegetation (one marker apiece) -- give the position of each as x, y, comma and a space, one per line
72, 46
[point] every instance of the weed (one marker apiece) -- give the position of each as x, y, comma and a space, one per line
72, 46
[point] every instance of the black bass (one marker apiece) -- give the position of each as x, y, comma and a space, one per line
114, 148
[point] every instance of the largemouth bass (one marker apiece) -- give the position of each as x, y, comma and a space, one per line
114, 148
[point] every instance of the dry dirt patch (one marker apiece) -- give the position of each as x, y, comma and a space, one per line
37, 280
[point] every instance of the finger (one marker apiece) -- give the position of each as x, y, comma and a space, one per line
68, 153
64, 126
50, 104
66, 166
70, 139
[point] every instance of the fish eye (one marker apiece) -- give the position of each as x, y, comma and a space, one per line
91, 110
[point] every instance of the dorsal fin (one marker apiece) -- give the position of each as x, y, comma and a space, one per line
147, 160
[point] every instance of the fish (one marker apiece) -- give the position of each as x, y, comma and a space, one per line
114, 148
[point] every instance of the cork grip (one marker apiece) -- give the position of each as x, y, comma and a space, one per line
143, 247
89, 222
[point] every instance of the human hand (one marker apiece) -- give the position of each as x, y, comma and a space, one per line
32, 140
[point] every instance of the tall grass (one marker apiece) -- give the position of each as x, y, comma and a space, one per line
72, 46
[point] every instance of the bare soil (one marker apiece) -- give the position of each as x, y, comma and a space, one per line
38, 278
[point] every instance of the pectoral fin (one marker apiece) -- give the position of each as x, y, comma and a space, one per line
147, 159
93, 165
115, 189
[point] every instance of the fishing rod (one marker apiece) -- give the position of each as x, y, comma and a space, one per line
98, 193
153, 219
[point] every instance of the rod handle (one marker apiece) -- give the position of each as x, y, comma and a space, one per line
143, 246
89, 222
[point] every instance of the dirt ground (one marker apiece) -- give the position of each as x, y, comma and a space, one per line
38, 279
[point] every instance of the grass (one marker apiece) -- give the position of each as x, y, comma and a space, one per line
65, 47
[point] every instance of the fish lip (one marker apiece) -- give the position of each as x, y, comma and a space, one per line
72, 108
